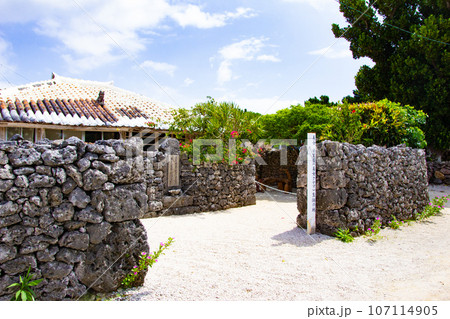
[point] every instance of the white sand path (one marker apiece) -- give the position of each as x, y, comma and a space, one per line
258, 253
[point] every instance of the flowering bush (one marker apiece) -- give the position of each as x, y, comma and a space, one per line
345, 126
394, 223
234, 134
375, 229
244, 153
382, 123
434, 207
145, 261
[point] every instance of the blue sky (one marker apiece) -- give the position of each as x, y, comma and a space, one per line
263, 55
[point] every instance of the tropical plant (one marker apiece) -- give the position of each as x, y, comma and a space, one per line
24, 292
214, 120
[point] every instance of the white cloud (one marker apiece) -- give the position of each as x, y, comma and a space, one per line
92, 33
224, 73
247, 50
159, 66
316, 4
266, 57
188, 82
192, 15
339, 50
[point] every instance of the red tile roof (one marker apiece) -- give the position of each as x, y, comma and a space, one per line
68, 101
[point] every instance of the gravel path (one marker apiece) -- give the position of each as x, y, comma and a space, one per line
258, 253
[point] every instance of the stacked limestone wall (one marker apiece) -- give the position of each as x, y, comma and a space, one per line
439, 172
217, 186
69, 210
272, 165
202, 188
355, 185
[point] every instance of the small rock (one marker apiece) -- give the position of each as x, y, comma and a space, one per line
55, 270
94, 179
79, 198
89, 215
63, 213
24, 157
60, 157
75, 240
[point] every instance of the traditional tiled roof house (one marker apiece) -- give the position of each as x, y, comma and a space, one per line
64, 107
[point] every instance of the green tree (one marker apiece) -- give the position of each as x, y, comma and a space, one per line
324, 99
409, 43
295, 122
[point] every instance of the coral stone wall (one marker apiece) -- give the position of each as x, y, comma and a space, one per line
217, 186
355, 185
439, 172
202, 188
273, 167
69, 210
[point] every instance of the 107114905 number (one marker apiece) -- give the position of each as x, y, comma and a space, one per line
403, 310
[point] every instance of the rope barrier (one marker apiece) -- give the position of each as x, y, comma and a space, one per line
276, 189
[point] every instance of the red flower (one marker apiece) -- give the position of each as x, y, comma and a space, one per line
244, 150
353, 111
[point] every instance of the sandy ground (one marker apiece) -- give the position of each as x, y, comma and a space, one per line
258, 253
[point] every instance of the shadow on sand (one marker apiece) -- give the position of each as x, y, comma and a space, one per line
299, 238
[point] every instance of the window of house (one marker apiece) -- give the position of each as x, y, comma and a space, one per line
11, 131
91, 137
111, 135
53, 134
26, 133
70, 133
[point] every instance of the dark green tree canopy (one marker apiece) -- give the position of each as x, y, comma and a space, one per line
409, 43
324, 99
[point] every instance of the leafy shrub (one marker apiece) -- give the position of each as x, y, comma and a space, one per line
344, 235
382, 123
345, 125
296, 122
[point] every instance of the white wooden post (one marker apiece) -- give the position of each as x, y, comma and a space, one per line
311, 199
